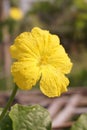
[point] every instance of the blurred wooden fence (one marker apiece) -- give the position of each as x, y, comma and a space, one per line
63, 110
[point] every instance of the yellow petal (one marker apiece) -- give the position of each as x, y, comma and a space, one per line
34, 44
53, 82
25, 74
45, 41
16, 13
24, 47
60, 60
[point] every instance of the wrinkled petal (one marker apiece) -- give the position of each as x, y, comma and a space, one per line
60, 60
26, 74
53, 82
45, 41
24, 47
34, 44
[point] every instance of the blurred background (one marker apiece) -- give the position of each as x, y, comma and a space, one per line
67, 19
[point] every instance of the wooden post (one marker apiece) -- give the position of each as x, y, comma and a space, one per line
6, 41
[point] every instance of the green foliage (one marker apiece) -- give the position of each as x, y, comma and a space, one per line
30, 118
80, 4
26, 118
65, 18
81, 123
81, 20
1, 35
6, 123
14, 3
11, 26
45, 10
79, 79
2, 84
49, 12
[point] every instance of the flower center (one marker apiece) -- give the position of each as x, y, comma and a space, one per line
43, 60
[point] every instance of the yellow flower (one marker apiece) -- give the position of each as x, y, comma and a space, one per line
15, 13
39, 55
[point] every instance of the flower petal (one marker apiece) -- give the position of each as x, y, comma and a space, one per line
24, 47
25, 74
35, 44
16, 13
60, 60
45, 41
53, 82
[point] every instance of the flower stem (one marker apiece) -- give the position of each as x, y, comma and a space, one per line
9, 103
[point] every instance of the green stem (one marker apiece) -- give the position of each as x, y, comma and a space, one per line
8, 103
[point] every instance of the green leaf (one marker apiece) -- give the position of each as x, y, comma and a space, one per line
30, 118
6, 123
81, 123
